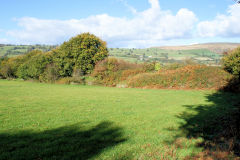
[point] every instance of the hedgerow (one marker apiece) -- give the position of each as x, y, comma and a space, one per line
189, 76
111, 71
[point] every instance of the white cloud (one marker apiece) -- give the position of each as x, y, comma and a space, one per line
145, 27
154, 4
223, 25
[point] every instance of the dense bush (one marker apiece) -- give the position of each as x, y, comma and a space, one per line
131, 72
50, 74
149, 67
76, 58
109, 71
34, 65
5, 68
9, 66
112, 72
81, 52
190, 76
232, 62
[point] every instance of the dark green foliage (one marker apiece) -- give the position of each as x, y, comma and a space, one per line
232, 62
81, 52
34, 65
9, 66
50, 74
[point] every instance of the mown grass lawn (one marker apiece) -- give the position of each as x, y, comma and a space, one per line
48, 121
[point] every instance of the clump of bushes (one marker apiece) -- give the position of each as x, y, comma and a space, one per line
80, 53
231, 62
33, 65
186, 77
9, 66
111, 71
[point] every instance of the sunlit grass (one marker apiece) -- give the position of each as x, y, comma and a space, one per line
147, 119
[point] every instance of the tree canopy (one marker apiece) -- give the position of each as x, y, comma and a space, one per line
80, 53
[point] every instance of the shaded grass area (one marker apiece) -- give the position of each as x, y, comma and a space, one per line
217, 124
69, 142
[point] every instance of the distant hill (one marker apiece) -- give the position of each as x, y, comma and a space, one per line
208, 53
214, 47
8, 50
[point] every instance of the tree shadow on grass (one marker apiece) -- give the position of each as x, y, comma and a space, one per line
217, 124
70, 142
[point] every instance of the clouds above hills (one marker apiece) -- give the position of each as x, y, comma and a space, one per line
143, 29
223, 25
150, 25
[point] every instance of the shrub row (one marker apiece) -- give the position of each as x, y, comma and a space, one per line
112, 71
186, 77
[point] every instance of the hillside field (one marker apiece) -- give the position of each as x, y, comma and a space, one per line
209, 53
201, 56
14, 50
50, 121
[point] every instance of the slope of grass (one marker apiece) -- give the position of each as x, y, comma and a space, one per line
44, 121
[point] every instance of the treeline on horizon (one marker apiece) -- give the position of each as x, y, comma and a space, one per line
84, 60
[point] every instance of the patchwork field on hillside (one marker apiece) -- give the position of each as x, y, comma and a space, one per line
203, 56
210, 54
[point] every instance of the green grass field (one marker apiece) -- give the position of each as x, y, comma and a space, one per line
48, 121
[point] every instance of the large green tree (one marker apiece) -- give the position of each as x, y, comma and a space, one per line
80, 53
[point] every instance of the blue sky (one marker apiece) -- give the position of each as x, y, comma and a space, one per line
122, 23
